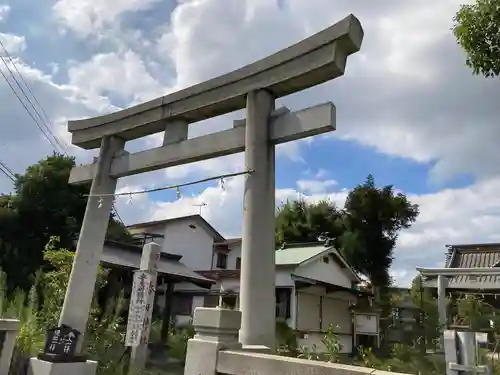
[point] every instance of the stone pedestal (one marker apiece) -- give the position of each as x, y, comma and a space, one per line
215, 329
39, 367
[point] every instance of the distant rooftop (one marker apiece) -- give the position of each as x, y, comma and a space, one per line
217, 236
474, 256
293, 254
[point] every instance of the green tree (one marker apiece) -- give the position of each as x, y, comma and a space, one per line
365, 230
425, 300
299, 221
43, 205
477, 32
373, 218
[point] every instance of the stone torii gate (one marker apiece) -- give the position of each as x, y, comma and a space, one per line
312, 61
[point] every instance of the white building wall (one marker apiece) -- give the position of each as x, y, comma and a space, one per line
195, 246
329, 272
233, 255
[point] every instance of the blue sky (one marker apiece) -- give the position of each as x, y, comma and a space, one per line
408, 109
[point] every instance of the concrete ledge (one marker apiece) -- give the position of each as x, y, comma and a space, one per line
39, 367
244, 363
9, 329
9, 324
312, 61
209, 318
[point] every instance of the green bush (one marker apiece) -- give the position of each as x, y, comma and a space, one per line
105, 332
178, 341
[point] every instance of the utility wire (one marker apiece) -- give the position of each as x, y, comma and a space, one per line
220, 177
26, 108
47, 118
41, 125
6, 172
4, 166
62, 145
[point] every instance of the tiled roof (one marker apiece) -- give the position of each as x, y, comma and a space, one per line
474, 256
217, 236
220, 274
229, 241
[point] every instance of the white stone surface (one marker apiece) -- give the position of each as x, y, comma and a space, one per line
11, 329
81, 285
246, 363
257, 280
39, 367
215, 329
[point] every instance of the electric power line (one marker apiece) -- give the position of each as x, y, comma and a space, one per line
47, 118
219, 177
26, 108
43, 124
6, 172
62, 145
4, 166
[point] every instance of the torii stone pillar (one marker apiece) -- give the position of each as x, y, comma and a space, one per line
257, 282
83, 276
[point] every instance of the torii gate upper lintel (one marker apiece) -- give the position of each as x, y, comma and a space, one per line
310, 62
314, 60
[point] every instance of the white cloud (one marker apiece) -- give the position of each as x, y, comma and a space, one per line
315, 186
406, 93
122, 75
92, 16
4, 12
13, 43
451, 216
401, 71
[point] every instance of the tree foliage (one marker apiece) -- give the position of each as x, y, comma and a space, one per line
424, 299
373, 218
365, 230
299, 221
477, 31
42, 205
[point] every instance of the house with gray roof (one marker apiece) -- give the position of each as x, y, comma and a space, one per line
315, 288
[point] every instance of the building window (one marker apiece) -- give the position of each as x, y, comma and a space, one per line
211, 301
221, 260
283, 297
182, 304
238, 263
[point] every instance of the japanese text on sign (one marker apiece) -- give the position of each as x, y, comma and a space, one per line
140, 310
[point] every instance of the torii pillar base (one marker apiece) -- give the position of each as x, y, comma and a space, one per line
40, 367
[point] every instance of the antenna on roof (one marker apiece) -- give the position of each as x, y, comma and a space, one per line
200, 205
325, 238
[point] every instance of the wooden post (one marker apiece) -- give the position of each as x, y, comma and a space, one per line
441, 290
167, 313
